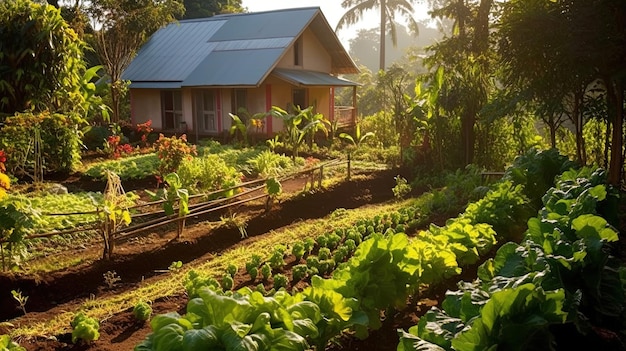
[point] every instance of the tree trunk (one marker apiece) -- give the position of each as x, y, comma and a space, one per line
383, 30
578, 125
615, 99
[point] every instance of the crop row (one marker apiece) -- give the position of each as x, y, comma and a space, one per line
560, 279
386, 268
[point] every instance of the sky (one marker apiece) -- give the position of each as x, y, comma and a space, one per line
332, 11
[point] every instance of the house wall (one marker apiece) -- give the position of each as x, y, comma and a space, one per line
314, 55
146, 105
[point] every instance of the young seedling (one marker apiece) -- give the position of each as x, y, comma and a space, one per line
110, 278
20, 298
142, 311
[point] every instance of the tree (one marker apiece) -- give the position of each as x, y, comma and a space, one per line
467, 59
388, 9
124, 26
41, 62
581, 42
209, 8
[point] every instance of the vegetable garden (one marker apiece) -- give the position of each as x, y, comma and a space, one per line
534, 257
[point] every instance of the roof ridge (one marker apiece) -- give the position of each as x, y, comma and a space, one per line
227, 15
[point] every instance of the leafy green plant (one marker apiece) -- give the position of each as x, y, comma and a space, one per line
84, 328
231, 269
324, 253
299, 272
266, 271
273, 188
208, 172
16, 219
253, 272
298, 250
277, 260
195, 280
358, 138
20, 298
234, 221
9, 345
142, 311
173, 195
175, 266
227, 282
402, 188
280, 281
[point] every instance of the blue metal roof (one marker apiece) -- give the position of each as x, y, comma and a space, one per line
310, 78
228, 50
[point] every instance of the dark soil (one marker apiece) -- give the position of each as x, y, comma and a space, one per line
136, 261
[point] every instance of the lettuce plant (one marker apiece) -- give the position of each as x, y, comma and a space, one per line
84, 328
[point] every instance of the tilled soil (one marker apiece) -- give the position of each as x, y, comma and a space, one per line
135, 262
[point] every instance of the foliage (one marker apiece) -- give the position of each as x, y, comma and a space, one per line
207, 173
124, 27
246, 320
268, 163
388, 10
401, 189
133, 167
142, 311
84, 328
41, 61
9, 345
174, 194
171, 152
20, 298
17, 217
210, 8
60, 144
298, 125
241, 126
561, 273
5, 181
536, 170
357, 139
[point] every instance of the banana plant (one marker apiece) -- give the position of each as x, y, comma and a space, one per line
358, 138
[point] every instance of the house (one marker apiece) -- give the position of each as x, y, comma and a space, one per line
191, 74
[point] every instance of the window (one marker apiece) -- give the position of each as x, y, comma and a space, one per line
238, 101
297, 53
205, 110
172, 106
298, 98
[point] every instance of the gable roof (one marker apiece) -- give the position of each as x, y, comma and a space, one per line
229, 50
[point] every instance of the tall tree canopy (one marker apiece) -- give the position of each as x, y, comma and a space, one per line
124, 26
552, 51
209, 8
41, 62
388, 11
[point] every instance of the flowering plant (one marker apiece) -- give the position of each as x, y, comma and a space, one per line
171, 152
144, 129
115, 149
5, 181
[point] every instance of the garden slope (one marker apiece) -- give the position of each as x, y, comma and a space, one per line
135, 261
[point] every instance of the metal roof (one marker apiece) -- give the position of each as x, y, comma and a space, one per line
310, 78
229, 50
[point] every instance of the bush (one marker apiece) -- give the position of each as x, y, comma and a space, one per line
59, 141
94, 137
207, 173
171, 152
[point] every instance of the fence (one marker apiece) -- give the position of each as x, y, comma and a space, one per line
152, 219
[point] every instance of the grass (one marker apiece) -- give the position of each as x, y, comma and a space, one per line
172, 284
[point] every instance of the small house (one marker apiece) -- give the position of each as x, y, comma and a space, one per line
191, 74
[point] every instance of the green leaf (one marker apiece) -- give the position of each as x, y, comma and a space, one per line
593, 227
201, 339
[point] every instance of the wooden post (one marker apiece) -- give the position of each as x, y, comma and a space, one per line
349, 170
319, 184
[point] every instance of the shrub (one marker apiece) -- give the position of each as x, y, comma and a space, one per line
84, 328
60, 144
142, 311
207, 173
171, 153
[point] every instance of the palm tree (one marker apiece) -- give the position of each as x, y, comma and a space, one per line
388, 10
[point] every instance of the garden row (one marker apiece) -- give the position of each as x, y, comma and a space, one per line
385, 270
559, 288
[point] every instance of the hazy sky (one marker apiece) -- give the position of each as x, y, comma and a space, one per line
332, 11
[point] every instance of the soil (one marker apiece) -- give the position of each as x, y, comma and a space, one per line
141, 260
